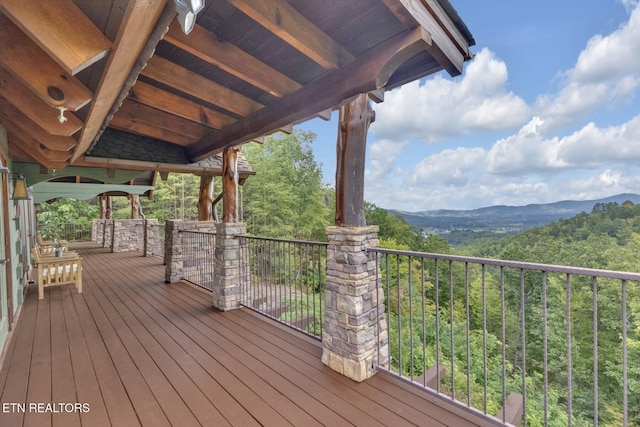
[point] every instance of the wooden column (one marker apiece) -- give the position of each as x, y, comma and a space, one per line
109, 209
205, 201
136, 207
230, 185
354, 120
103, 206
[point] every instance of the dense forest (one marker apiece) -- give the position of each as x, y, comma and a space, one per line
286, 199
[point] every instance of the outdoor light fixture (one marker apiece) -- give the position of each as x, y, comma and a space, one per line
187, 11
20, 185
20, 189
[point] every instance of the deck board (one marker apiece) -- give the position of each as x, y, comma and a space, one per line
142, 352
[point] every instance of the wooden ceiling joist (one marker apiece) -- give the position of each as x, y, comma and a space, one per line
30, 64
173, 104
61, 29
193, 84
138, 23
283, 20
12, 116
214, 50
162, 120
449, 48
48, 158
368, 72
35, 108
125, 122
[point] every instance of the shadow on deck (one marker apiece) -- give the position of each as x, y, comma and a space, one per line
132, 350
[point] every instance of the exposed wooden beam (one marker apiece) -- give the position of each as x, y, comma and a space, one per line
31, 65
449, 46
194, 84
127, 123
283, 20
181, 107
60, 29
138, 23
162, 120
401, 13
212, 49
50, 159
368, 72
162, 168
22, 124
35, 108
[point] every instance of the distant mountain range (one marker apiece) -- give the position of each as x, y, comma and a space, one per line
504, 219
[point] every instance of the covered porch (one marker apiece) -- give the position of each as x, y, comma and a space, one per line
132, 350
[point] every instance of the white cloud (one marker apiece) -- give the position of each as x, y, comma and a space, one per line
382, 155
606, 71
442, 108
449, 167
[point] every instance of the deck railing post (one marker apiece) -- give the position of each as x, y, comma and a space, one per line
173, 259
355, 333
229, 266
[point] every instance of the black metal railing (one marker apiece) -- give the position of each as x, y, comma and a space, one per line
487, 333
198, 253
70, 232
285, 280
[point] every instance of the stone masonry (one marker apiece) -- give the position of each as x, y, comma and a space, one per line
354, 339
127, 235
231, 268
177, 266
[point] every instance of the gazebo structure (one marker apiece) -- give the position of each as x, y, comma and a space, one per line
102, 93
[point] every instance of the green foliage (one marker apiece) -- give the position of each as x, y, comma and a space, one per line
54, 216
285, 198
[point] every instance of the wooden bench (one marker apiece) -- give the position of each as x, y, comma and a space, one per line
54, 271
49, 246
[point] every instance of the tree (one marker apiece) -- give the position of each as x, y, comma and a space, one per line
286, 198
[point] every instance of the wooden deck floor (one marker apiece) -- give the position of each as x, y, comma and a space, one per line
132, 350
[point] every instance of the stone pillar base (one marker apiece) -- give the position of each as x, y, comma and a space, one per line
230, 266
354, 338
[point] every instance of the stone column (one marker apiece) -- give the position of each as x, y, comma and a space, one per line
231, 267
172, 251
355, 330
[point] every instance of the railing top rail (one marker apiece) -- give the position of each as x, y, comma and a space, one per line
210, 233
271, 239
592, 272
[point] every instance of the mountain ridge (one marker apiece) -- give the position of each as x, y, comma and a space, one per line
505, 218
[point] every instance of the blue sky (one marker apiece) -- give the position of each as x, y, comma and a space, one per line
547, 110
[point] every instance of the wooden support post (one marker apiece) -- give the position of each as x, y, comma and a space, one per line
354, 121
136, 207
109, 210
205, 201
230, 185
103, 206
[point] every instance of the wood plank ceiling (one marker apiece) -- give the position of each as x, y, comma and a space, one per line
138, 93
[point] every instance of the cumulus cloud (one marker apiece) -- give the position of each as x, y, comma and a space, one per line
382, 155
442, 108
449, 167
606, 71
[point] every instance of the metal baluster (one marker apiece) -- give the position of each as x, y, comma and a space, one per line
595, 351
451, 337
504, 345
437, 295
484, 335
569, 364
524, 348
399, 315
625, 388
545, 349
466, 294
410, 318
424, 331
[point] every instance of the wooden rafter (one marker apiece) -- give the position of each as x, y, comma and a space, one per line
61, 29
35, 108
30, 64
138, 23
283, 20
12, 116
449, 47
162, 120
128, 123
48, 158
186, 81
212, 49
174, 104
368, 72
